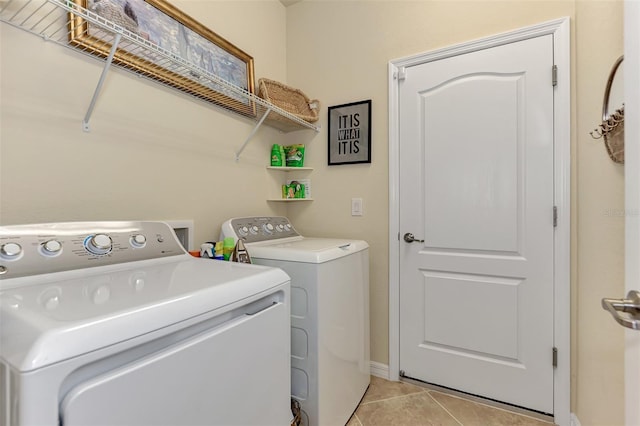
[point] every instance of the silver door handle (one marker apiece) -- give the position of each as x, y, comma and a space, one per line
408, 237
630, 305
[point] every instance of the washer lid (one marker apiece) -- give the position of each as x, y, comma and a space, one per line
72, 313
305, 250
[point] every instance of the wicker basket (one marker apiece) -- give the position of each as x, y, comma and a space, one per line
614, 143
289, 99
296, 410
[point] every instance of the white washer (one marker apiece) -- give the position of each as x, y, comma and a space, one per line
113, 323
329, 313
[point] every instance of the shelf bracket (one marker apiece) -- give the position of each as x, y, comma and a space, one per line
87, 117
253, 132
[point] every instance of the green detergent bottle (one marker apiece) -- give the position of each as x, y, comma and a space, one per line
276, 157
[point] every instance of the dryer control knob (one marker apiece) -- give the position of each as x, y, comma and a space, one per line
51, 247
99, 244
243, 230
138, 241
254, 229
10, 250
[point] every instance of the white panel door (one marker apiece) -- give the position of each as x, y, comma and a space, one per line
476, 184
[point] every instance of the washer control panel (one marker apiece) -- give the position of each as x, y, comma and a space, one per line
258, 228
53, 247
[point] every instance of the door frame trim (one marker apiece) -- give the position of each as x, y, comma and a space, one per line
560, 29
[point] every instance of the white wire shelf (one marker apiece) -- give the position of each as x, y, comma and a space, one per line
68, 24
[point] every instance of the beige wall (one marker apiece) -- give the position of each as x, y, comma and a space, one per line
153, 154
599, 222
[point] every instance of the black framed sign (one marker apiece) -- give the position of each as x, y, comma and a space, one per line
350, 133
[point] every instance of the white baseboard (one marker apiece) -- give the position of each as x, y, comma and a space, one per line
574, 420
379, 370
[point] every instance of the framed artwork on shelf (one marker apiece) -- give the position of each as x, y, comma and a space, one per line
350, 133
176, 39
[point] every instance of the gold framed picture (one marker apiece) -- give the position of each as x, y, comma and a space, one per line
179, 37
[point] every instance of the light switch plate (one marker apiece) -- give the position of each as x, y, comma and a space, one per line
356, 207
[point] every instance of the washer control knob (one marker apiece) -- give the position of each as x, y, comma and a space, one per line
254, 229
99, 244
279, 227
268, 228
10, 250
243, 230
51, 247
287, 227
138, 240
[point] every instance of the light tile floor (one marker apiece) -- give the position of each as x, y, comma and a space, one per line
398, 404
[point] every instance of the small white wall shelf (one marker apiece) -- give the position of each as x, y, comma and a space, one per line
289, 200
289, 169
286, 170
53, 19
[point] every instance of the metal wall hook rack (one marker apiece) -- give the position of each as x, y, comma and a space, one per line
53, 19
609, 125
612, 127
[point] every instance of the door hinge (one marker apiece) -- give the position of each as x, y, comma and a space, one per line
554, 75
555, 357
401, 74
555, 216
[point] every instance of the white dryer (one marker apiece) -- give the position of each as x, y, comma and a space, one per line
330, 361
113, 323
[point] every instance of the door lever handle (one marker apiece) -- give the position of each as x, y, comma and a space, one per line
408, 237
630, 305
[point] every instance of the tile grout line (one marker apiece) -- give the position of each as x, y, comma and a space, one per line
391, 398
495, 408
358, 419
430, 392
443, 407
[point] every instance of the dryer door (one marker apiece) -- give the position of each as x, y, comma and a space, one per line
234, 374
